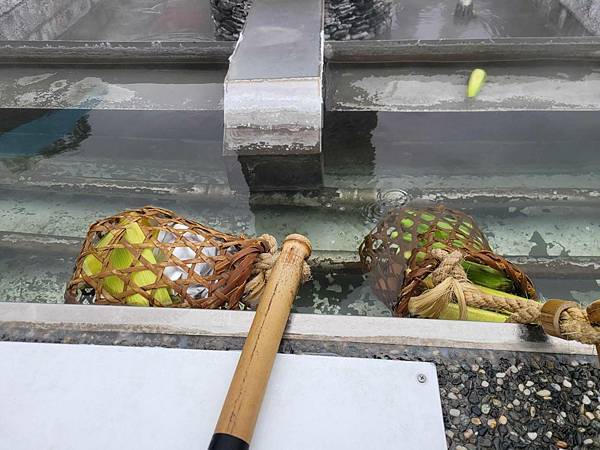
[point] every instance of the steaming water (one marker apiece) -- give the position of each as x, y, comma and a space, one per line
190, 20
434, 19
63, 169
145, 20
174, 150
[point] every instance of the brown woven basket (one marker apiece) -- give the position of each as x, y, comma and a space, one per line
398, 252
153, 257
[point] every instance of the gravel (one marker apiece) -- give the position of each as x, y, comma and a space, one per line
543, 404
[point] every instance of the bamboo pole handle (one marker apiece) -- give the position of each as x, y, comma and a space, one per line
241, 407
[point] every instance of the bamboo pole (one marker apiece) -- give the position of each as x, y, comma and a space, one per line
241, 407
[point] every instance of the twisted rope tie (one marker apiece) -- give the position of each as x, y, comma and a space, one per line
450, 284
262, 269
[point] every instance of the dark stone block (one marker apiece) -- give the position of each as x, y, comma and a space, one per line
275, 172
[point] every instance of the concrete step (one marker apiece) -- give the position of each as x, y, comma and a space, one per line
90, 87
433, 88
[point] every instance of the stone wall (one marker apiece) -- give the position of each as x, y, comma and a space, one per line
344, 19
40, 20
357, 19
229, 17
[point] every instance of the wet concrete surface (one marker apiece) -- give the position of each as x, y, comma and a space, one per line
145, 20
435, 19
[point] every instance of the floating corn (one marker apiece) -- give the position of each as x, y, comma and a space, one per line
476, 81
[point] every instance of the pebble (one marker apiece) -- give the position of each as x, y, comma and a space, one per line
460, 447
499, 381
513, 369
500, 375
588, 442
480, 413
590, 384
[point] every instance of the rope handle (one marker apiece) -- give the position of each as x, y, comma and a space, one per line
593, 312
262, 270
550, 316
559, 318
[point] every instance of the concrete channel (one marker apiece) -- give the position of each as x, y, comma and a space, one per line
180, 118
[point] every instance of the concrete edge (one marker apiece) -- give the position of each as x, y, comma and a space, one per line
308, 327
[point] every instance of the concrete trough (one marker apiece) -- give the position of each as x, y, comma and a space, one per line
273, 102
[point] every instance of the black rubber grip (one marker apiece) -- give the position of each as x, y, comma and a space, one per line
222, 441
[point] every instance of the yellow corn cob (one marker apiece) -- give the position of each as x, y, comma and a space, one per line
476, 81
473, 314
121, 258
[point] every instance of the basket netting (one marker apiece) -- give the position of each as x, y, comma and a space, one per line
153, 257
398, 252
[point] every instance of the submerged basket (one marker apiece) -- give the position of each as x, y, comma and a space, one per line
153, 257
398, 252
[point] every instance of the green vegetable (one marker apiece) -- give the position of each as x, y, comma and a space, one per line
473, 314
476, 81
487, 277
121, 258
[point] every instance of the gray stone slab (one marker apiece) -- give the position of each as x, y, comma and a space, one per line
281, 39
273, 89
43, 386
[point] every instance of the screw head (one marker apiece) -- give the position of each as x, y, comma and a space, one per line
421, 378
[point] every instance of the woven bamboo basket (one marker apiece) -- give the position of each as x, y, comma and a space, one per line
398, 253
153, 257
